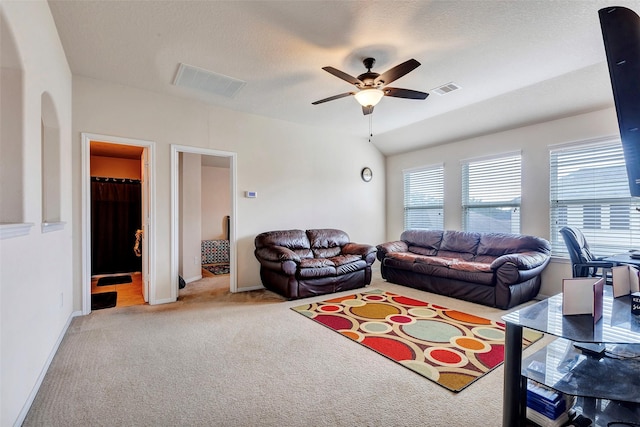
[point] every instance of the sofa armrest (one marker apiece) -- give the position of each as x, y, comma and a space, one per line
358, 249
277, 254
522, 260
385, 248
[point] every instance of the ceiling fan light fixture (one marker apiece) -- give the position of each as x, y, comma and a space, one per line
369, 97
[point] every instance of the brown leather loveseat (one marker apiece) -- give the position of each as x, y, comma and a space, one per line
494, 269
300, 264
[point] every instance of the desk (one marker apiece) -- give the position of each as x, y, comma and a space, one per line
616, 326
623, 259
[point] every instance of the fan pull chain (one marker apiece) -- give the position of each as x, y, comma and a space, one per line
370, 127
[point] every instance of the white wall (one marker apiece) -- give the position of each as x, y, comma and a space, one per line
534, 142
305, 177
216, 202
36, 280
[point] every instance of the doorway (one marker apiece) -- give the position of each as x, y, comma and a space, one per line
117, 254
187, 255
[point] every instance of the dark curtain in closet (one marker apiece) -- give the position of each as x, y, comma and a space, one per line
116, 214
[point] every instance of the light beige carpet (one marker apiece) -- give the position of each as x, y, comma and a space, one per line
220, 359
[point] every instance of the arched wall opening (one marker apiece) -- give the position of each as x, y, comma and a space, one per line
50, 144
11, 129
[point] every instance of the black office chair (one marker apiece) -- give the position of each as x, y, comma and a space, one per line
584, 264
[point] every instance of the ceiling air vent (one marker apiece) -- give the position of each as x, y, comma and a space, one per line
207, 81
445, 89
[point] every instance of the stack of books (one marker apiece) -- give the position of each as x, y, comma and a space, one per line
547, 407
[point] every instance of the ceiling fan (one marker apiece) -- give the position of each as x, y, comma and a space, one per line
373, 86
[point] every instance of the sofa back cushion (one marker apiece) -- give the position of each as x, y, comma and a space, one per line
296, 240
422, 242
327, 252
327, 242
498, 244
459, 244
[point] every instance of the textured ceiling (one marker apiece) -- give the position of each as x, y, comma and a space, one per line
518, 62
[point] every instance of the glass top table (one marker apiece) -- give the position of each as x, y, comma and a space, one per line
617, 326
623, 259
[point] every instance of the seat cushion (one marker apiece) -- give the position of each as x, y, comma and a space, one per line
470, 266
351, 267
307, 273
316, 263
436, 260
344, 259
316, 267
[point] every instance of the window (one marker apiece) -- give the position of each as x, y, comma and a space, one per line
491, 192
424, 198
590, 190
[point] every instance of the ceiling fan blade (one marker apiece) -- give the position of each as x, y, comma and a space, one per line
331, 98
398, 71
404, 93
367, 110
342, 75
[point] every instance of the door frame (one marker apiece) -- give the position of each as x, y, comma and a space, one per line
148, 243
175, 212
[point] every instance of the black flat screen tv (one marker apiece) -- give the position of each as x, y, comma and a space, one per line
621, 35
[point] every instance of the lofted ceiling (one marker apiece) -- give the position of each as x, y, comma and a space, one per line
517, 62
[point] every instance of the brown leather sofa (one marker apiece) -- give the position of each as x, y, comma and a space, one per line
494, 269
300, 264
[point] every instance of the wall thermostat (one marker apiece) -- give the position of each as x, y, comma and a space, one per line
251, 194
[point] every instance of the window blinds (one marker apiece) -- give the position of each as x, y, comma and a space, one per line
491, 193
590, 190
424, 198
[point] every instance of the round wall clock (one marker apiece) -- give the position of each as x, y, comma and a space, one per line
366, 174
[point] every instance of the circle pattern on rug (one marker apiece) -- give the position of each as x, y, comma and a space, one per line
422, 312
446, 357
489, 333
330, 308
354, 303
466, 317
392, 348
409, 301
334, 322
400, 319
375, 327
431, 330
375, 310
471, 344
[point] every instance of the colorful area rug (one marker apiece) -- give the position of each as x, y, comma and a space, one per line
447, 346
217, 269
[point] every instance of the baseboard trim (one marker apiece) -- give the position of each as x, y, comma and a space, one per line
162, 301
43, 372
251, 288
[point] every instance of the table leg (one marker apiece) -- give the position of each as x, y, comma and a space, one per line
514, 394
